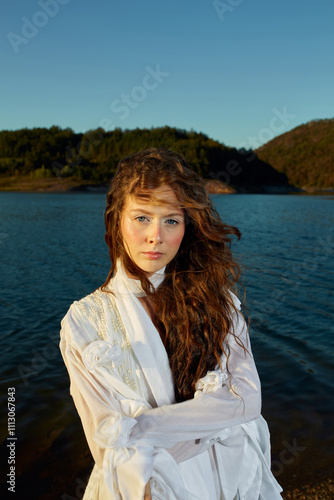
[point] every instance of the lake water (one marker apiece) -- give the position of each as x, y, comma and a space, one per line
53, 252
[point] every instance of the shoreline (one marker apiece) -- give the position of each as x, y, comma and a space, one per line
46, 185
68, 185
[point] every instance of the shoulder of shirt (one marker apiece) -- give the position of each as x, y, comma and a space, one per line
235, 300
88, 314
92, 303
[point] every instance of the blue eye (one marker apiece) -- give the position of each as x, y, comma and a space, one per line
141, 218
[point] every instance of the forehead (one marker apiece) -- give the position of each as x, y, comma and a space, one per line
164, 196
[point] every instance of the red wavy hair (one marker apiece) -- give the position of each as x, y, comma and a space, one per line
192, 308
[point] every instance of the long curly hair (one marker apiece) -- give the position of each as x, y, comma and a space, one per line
192, 307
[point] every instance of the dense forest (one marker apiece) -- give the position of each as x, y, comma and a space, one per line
305, 154
94, 155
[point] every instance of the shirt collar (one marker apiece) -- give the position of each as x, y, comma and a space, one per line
131, 284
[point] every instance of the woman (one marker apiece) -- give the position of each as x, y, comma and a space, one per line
161, 368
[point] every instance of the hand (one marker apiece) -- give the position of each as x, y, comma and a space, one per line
147, 492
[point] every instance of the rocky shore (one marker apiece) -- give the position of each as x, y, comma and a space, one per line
323, 490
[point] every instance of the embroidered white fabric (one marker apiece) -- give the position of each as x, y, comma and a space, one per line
211, 447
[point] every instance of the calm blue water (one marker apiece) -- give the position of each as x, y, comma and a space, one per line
53, 252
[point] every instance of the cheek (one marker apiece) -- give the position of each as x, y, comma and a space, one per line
130, 234
175, 239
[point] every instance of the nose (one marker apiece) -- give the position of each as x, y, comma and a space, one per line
155, 233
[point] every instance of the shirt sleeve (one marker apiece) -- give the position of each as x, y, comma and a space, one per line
122, 442
226, 398
105, 424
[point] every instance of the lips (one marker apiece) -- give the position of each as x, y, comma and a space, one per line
153, 255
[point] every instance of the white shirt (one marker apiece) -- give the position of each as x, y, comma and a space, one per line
212, 447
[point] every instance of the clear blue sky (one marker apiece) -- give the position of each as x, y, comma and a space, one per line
241, 72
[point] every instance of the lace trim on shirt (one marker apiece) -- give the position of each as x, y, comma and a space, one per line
92, 308
127, 370
111, 329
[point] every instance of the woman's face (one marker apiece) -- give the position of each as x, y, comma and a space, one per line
152, 234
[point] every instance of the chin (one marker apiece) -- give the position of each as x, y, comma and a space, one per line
152, 267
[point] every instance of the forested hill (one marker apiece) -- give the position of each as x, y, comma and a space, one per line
305, 154
93, 156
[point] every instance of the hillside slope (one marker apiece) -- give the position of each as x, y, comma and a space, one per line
305, 154
93, 157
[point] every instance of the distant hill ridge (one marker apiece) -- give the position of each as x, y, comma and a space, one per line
93, 156
305, 154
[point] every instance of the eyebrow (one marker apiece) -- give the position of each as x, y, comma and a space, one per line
143, 210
